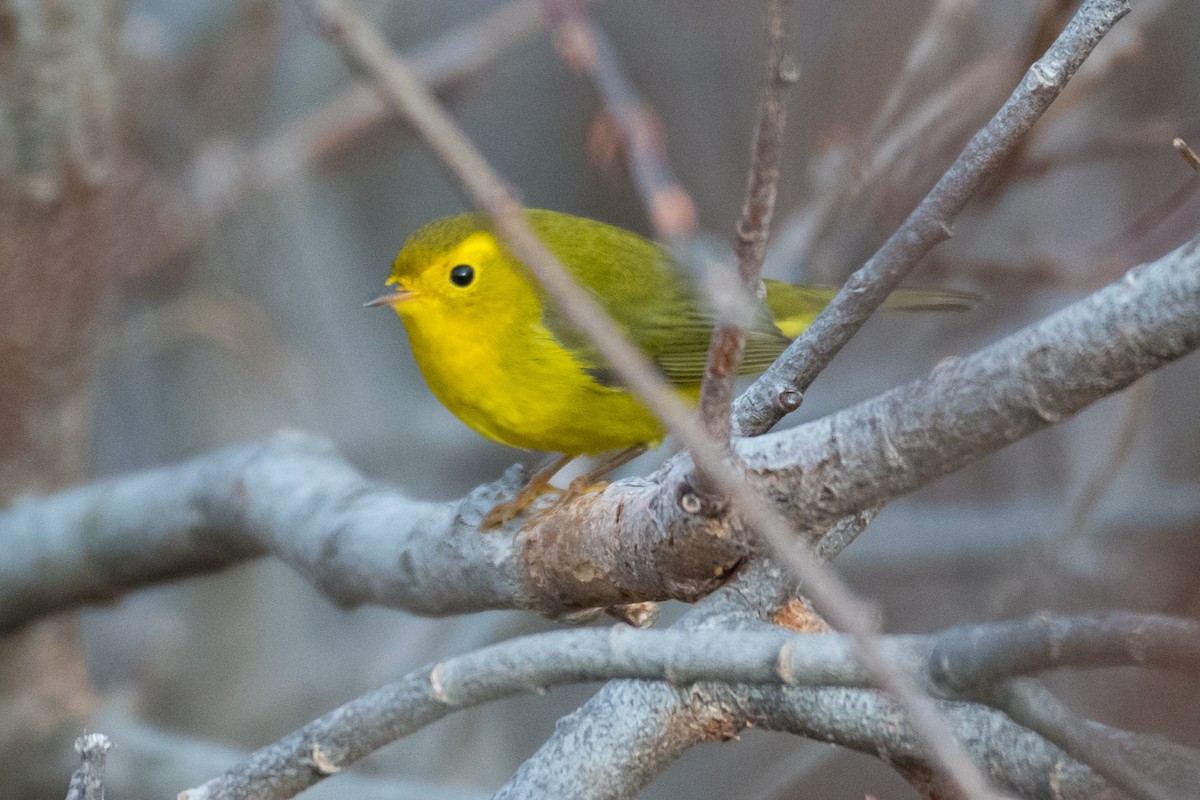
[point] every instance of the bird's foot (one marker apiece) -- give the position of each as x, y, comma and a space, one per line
538, 486
509, 509
593, 479
584, 484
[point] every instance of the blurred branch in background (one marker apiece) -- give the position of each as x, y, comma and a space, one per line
1057, 548
58, 94
588, 50
894, 155
224, 175
930, 51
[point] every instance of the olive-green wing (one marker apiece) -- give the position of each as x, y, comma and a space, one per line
647, 294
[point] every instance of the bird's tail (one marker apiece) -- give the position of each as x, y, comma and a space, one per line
793, 308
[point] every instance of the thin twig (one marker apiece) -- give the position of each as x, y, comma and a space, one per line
940, 30
894, 170
753, 229
760, 406
1189, 155
587, 49
441, 62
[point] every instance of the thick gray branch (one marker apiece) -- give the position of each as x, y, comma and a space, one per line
292, 497
970, 407
360, 542
357, 541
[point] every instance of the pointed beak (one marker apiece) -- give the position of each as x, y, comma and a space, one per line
392, 299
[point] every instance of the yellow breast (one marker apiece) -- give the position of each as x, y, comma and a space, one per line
516, 384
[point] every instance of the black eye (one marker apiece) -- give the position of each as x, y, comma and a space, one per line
462, 275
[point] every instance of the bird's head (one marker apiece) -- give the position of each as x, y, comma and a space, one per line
456, 267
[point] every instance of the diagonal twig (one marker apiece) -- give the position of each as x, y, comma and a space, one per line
1188, 154
224, 174
753, 229
760, 407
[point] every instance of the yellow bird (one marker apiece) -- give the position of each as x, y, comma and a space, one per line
500, 356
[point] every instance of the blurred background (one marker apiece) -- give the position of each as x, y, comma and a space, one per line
197, 199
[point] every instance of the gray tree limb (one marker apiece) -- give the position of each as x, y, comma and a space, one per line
969, 407
293, 497
688, 659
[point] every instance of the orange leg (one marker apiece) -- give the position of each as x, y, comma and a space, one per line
538, 485
590, 481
